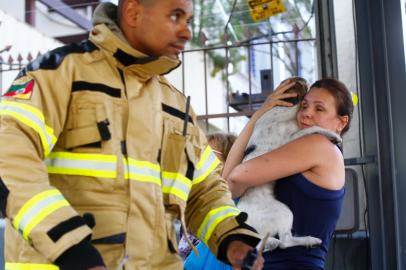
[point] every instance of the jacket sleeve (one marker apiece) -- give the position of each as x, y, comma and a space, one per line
211, 213
32, 115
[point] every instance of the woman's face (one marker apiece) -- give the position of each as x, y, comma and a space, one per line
318, 108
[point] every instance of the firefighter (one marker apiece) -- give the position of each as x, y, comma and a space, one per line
101, 155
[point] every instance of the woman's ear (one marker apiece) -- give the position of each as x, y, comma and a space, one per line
343, 122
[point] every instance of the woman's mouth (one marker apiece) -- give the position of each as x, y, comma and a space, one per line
305, 125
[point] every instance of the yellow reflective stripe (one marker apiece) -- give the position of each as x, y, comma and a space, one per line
42, 215
126, 168
97, 165
203, 158
208, 162
37, 209
30, 266
31, 203
33, 118
143, 171
213, 218
84, 156
176, 184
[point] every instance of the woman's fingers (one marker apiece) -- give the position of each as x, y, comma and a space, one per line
281, 89
284, 87
280, 96
283, 103
287, 95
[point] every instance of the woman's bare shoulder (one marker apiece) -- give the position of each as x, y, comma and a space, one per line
317, 148
328, 171
314, 143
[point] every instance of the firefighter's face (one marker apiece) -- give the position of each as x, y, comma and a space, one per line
159, 28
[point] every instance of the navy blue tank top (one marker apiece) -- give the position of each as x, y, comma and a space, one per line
315, 213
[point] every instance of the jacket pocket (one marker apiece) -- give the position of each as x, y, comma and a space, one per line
88, 137
116, 219
173, 147
86, 129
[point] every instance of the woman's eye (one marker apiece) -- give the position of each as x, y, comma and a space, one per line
320, 109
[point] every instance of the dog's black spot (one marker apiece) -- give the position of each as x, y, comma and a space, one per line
249, 150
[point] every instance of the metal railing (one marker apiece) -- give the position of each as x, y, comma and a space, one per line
245, 102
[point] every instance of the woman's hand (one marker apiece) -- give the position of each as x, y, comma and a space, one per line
276, 99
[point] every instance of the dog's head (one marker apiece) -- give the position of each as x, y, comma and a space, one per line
300, 88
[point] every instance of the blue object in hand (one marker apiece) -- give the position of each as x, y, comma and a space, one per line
249, 260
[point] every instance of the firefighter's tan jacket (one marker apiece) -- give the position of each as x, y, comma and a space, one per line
94, 128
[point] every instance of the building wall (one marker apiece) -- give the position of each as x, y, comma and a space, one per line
54, 25
49, 23
14, 8
24, 40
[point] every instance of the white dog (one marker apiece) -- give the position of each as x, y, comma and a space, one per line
266, 214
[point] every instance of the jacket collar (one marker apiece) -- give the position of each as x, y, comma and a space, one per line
108, 36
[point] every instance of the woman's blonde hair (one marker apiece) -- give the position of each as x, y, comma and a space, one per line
221, 143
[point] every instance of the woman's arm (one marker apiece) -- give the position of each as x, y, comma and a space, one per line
235, 156
301, 155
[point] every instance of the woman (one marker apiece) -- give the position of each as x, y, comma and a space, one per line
310, 170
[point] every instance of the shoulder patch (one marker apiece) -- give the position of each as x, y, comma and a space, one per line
52, 59
21, 89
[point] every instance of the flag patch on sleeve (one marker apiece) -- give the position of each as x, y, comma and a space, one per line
21, 91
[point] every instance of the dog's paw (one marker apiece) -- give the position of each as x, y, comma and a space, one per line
312, 242
271, 244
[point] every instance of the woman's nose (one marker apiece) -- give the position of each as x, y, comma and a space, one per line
306, 113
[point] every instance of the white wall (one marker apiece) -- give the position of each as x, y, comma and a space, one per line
55, 25
51, 24
24, 39
14, 8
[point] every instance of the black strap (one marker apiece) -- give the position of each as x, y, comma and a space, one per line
64, 227
123, 147
97, 87
109, 240
190, 168
104, 129
175, 112
127, 59
53, 59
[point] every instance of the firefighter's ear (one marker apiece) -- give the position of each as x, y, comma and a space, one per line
129, 12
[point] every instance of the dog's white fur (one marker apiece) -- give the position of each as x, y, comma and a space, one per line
266, 214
